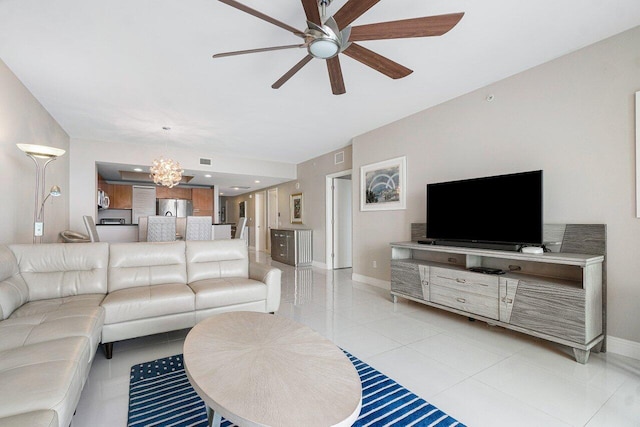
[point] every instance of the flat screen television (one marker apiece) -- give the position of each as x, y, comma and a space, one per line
503, 209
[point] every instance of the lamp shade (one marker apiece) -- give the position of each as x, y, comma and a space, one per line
41, 151
55, 191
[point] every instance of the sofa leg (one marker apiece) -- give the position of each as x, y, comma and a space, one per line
108, 349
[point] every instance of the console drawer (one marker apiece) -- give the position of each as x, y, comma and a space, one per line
466, 301
465, 281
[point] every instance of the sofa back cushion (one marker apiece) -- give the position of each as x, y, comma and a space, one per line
213, 259
60, 270
138, 264
13, 289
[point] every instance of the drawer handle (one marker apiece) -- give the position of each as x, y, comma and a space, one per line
461, 281
462, 300
507, 300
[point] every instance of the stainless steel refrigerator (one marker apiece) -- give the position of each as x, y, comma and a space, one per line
174, 207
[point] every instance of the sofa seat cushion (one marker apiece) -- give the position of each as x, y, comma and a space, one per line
44, 376
78, 304
44, 418
212, 293
52, 321
146, 302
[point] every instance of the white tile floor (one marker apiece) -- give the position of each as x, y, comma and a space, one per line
481, 375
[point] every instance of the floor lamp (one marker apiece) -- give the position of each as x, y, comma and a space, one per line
41, 156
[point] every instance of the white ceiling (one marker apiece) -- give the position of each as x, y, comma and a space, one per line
119, 70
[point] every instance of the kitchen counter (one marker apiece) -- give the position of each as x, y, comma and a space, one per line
117, 233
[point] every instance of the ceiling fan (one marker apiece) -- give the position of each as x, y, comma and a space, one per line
325, 38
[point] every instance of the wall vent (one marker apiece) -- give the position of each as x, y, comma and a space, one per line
339, 157
206, 162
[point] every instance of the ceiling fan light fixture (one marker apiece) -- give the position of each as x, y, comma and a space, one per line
323, 48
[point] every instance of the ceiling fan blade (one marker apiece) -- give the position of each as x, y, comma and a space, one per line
262, 16
312, 11
406, 28
351, 11
377, 62
282, 80
263, 49
335, 75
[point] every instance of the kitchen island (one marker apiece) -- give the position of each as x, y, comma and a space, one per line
119, 233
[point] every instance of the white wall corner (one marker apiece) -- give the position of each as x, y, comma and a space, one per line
623, 347
383, 284
319, 264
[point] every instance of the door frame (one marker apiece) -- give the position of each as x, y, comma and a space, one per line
259, 208
329, 214
271, 191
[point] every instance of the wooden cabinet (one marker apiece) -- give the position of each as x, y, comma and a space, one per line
202, 199
293, 247
554, 296
163, 192
121, 196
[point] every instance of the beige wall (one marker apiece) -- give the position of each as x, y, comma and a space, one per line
311, 183
24, 120
572, 117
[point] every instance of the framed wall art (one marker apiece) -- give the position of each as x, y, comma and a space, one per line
242, 209
295, 208
383, 185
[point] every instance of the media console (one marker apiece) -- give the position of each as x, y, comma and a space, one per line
554, 296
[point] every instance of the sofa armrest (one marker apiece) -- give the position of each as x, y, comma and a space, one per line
270, 276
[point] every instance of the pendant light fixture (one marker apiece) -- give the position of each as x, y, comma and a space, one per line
166, 172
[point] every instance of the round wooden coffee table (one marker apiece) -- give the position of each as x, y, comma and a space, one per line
258, 369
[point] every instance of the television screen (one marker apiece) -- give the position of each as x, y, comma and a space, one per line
495, 209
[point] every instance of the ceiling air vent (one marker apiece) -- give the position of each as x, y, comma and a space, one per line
206, 162
339, 157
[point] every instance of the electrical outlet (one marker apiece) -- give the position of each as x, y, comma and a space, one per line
375, 264
39, 229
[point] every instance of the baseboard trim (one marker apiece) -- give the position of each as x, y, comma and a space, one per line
384, 284
623, 347
319, 264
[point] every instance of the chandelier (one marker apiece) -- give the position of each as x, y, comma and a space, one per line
166, 172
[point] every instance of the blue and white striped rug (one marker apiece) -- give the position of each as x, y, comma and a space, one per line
160, 395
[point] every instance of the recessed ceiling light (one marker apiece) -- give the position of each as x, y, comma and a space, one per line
207, 176
257, 181
138, 169
222, 194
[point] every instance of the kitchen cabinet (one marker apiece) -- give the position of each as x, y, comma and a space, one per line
163, 192
102, 185
121, 196
202, 199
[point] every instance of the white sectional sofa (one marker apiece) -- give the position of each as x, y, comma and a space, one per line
58, 302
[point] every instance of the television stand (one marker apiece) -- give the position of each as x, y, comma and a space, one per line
553, 296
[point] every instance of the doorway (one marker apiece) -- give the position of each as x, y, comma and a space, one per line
260, 222
339, 220
272, 214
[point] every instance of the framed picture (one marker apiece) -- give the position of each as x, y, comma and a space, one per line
383, 185
243, 209
295, 208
